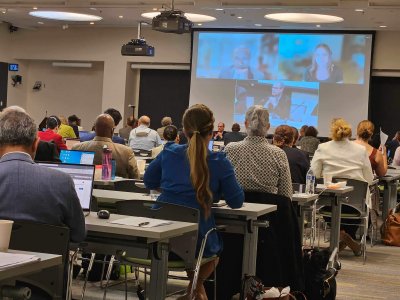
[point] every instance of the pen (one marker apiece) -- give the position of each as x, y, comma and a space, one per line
143, 224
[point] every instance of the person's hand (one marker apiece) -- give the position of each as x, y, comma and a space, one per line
382, 148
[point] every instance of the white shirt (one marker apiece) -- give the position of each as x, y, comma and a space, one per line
144, 138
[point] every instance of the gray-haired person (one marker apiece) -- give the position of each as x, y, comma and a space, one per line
29, 192
166, 121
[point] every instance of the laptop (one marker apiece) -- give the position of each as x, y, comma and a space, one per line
77, 157
82, 175
210, 145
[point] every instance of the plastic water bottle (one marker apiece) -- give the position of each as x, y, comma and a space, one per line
310, 182
106, 166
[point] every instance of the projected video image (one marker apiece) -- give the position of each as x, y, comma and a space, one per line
290, 103
326, 58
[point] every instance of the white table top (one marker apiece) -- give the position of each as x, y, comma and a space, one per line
251, 210
304, 198
93, 223
111, 182
338, 191
391, 175
46, 261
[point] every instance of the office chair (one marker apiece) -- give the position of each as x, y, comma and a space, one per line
356, 200
37, 237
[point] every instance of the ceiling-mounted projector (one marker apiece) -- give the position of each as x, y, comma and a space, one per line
137, 47
172, 21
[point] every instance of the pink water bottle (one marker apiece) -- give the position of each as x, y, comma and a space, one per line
106, 164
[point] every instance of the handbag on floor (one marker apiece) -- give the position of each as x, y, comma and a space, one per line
391, 229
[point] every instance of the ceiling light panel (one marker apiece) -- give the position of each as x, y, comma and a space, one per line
303, 18
64, 16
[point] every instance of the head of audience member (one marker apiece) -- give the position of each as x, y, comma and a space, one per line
277, 89
63, 120
340, 129
131, 122
170, 134
257, 121
73, 120
115, 114
303, 130
53, 123
283, 136
365, 130
295, 134
397, 136
144, 120
241, 57
166, 121
322, 58
198, 124
104, 126
18, 132
311, 131
235, 127
221, 127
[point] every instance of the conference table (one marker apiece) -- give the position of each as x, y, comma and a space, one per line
241, 220
391, 182
105, 237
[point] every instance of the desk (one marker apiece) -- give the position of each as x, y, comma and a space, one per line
111, 182
104, 237
336, 204
241, 220
304, 201
390, 181
46, 261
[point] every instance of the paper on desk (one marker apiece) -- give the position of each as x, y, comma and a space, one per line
141, 222
8, 260
384, 137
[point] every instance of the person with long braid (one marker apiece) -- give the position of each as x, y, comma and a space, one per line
192, 176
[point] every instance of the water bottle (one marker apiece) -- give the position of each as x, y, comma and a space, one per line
106, 166
310, 182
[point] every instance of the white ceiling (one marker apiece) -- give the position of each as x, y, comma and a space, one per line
376, 12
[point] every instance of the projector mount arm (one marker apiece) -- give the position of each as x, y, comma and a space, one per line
139, 31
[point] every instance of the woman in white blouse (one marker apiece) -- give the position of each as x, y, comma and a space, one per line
343, 159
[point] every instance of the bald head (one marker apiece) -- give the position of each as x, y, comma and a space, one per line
144, 120
104, 126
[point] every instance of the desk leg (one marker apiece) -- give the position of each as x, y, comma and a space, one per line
250, 251
159, 273
335, 223
301, 223
387, 193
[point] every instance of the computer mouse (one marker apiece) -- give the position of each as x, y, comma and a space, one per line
103, 214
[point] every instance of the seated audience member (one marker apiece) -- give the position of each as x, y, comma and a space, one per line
192, 176
130, 124
392, 146
309, 142
116, 115
143, 137
344, 159
66, 131
220, 133
164, 122
296, 136
263, 172
47, 151
29, 192
301, 134
74, 122
182, 137
51, 135
170, 135
235, 135
123, 155
299, 162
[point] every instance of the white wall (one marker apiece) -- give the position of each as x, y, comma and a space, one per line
65, 91
386, 51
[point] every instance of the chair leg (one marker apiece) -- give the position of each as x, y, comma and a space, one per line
92, 257
110, 265
126, 283
215, 281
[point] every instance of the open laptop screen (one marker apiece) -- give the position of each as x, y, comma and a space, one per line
77, 157
83, 179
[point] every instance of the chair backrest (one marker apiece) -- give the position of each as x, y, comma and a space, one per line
37, 237
355, 198
129, 186
184, 246
142, 153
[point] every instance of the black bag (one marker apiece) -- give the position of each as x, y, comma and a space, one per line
95, 273
320, 281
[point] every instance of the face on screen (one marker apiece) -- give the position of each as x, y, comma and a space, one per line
322, 57
241, 58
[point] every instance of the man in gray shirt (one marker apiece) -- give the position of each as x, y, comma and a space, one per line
29, 192
143, 137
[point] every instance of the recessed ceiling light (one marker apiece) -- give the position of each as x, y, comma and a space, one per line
3, 11
359, 10
34, 7
93, 8
91, 23
219, 9
41, 23
318, 26
303, 18
64, 16
121, 17
192, 17
199, 24
154, 8
240, 17
258, 25
382, 26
